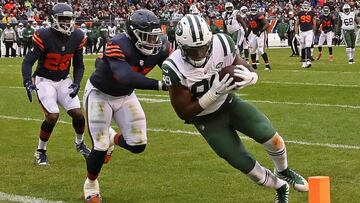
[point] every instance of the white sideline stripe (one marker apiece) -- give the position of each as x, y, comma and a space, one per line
153, 100
329, 145
24, 199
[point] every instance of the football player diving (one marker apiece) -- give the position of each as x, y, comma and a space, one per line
109, 93
201, 98
54, 48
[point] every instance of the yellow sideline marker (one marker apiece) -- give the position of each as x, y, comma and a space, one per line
319, 189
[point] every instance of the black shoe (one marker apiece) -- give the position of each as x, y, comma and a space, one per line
267, 67
41, 157
82, 148
254, 66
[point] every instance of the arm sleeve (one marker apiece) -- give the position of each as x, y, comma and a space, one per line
29, 60
124, 75
78, 62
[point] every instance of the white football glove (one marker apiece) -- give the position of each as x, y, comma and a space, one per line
218, 88
248, 77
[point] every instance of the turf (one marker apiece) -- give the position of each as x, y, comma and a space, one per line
316, 105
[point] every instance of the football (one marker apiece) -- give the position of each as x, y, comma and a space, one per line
229, 69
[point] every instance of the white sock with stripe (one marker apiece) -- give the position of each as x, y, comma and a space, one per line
276, 150
265, 177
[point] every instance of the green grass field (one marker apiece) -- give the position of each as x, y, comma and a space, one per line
316, 110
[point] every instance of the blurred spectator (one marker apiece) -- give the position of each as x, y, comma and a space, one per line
27, 34
9, 37
170, 32
282, 29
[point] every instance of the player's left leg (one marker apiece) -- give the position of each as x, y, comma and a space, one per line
353, 41
72, 107
248, 120
261, 40
130, 117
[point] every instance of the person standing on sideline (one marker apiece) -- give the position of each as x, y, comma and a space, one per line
27, 35
20, 41
292, 40
170, 32
282, 30
9, 37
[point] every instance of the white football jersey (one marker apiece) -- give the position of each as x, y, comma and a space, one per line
177, 71
20, 32
347, 21
112, 31
232, 25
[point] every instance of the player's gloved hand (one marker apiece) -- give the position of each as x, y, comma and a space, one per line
29, 86
248, 77
258, 34
163, 86
218, 88
75, 90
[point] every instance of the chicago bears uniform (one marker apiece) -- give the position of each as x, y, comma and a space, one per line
327, 23
201, 98
117, 74
109, 92
306, 24
53, 49
257, 27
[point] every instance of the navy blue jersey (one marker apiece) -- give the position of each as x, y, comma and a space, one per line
327, 23
305, 19
54, 52
256, 23
123, 67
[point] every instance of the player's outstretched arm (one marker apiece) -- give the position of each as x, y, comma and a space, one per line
125, 76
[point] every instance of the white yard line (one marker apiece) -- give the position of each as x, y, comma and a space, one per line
24, 199
182, 132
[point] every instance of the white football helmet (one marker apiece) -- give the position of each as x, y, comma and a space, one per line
194, 10
306, 6
244, 10
194, 38
346, 8
229, 7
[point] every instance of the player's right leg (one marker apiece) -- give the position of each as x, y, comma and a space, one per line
98, 116
253, 49
48, 100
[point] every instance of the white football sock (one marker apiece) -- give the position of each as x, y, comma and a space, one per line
276, 150
42, 144
79, 138
348, 53
353, 53
265, 177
